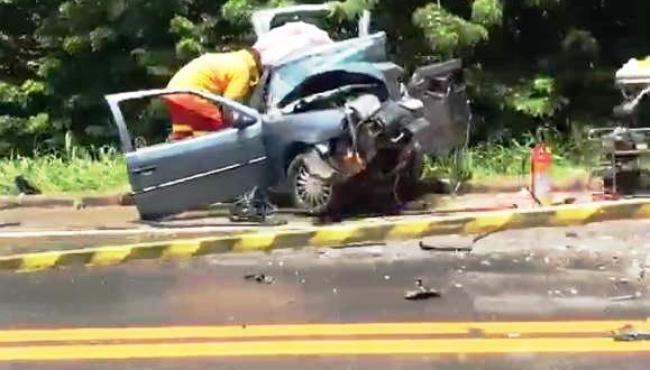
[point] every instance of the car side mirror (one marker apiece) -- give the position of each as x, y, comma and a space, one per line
238, 120
241, 121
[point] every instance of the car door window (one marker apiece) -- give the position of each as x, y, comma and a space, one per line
150, 121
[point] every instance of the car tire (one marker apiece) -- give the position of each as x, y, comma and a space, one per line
308, 192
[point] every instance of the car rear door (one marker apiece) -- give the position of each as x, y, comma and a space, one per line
173, 177
442, 90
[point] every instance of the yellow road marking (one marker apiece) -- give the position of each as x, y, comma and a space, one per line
320, 347
410, 229
182, 249
489, 221
254, 242
316, 330
569, 216
643, 212
110, 255
38, 261
326, 237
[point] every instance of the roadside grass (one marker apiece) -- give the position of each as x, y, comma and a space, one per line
573, 159
103, 170
88, 171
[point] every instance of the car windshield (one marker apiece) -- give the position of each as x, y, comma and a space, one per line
291, 73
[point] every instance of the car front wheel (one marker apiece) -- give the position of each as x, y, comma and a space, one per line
309, 192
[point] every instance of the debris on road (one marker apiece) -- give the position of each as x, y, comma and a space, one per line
9, 224
422, 293
631, 336
261, 278
571, 234
426, 247
24, 186
628, 297
489, 233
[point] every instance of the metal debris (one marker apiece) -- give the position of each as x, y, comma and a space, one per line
260, 278
485, 235
628, 297
631, 336
468, 248
25, 186
422, 293
426, 247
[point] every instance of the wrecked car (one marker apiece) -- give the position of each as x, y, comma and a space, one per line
317, 121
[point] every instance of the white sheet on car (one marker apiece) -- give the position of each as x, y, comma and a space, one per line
289, 39
635, 71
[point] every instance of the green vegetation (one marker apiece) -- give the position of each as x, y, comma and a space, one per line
513, 160
104, 171
96, 171
529, 64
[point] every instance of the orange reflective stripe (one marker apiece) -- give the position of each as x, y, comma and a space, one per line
178, 127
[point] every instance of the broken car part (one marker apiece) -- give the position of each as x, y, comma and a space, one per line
260, 278
631, 336
421, 293
625, 154
427, 247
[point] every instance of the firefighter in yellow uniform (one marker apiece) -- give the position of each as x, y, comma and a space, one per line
231, 75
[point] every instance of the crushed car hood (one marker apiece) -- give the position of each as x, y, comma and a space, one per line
355, 56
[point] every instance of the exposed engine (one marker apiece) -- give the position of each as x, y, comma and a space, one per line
379, 136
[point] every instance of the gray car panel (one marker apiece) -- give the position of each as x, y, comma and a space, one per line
164, 163
199, 191
173, 177
445, 103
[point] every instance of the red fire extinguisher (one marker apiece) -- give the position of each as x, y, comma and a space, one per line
541, 161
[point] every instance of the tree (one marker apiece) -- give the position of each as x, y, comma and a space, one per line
527, 61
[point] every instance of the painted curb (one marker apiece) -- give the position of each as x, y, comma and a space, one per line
45, 201
334, 236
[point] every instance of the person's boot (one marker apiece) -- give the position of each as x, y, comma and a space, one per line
252, 207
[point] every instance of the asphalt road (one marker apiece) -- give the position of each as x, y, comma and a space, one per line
346, 309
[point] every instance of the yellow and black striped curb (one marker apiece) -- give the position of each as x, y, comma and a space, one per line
335, 236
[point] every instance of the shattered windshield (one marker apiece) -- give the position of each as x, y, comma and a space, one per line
355, 52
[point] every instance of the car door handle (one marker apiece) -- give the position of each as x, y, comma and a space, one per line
144, 170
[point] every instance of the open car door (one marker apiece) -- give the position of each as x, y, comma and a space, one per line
442, 90
173, 177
